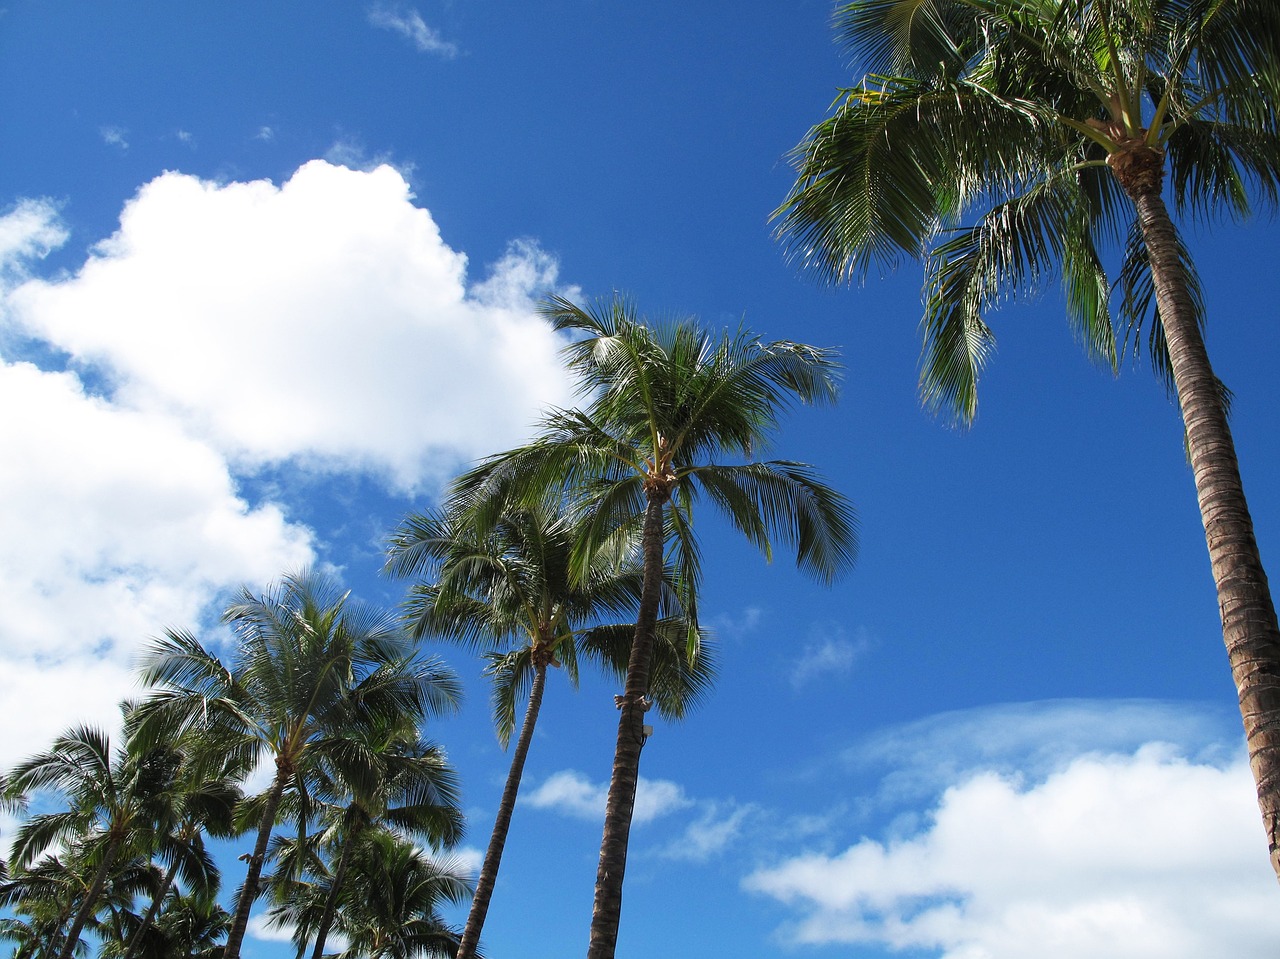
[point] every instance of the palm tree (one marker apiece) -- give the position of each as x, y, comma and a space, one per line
1052, 124
391, 903
114, 800
310, 664
388, 778
664, 404
510, 590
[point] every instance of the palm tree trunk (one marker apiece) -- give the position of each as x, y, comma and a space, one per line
607, 910
1249, 626
498, 840
352, 834
90, 901
136, 940
249, 891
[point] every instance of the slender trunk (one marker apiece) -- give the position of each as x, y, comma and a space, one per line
498, 840
354, 827
91, 895
1249, 626
607, 910
249, 891
169, 877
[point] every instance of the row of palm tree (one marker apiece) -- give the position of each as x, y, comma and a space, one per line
577, 547
333, 694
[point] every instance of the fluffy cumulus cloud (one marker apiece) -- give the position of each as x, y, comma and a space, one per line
322, 319
573, 793
322, 323
1113, 856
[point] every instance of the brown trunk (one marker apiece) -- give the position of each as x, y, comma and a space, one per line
1249, 626
90, 901
249, 891
351, 834
498, 840
607, 910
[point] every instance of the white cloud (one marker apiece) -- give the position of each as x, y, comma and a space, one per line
114, 525
466, 859
265, 133
573, 793
830, 655
409, 24
30, 231
715, 829
1138, 856
115, 136
323, 321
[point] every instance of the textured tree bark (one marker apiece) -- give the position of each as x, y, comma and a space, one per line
607, 910
502, 824
249, 891
1249, 626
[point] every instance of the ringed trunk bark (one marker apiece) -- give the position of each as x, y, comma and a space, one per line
249, 891
1249, 626
607, 909
502, 824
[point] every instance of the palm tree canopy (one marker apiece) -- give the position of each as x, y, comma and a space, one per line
664, 404
1023, 120
509, 588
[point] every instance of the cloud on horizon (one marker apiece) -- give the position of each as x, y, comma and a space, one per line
1057, 829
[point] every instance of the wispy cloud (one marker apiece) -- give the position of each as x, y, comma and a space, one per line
715, 829
114, 136
571, 792
407, 22
829, 655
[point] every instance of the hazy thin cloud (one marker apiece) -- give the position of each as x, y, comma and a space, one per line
407, 22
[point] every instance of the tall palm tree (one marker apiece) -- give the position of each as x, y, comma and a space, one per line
1002, 140
309, 665
665, 404
114, 800
509, 590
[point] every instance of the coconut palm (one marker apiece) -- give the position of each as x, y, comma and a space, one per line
389, 777
665, 404
1005, 140
509, 590
389, 904
310, 664
114, 800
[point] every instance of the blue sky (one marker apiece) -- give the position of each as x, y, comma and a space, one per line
268, 278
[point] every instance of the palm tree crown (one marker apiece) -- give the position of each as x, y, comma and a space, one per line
310, 666
1007, 140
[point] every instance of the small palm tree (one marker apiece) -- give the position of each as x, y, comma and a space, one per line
1005, 140
114, 800
509, 590
391, 906
310, 665
388, 778
665, 406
